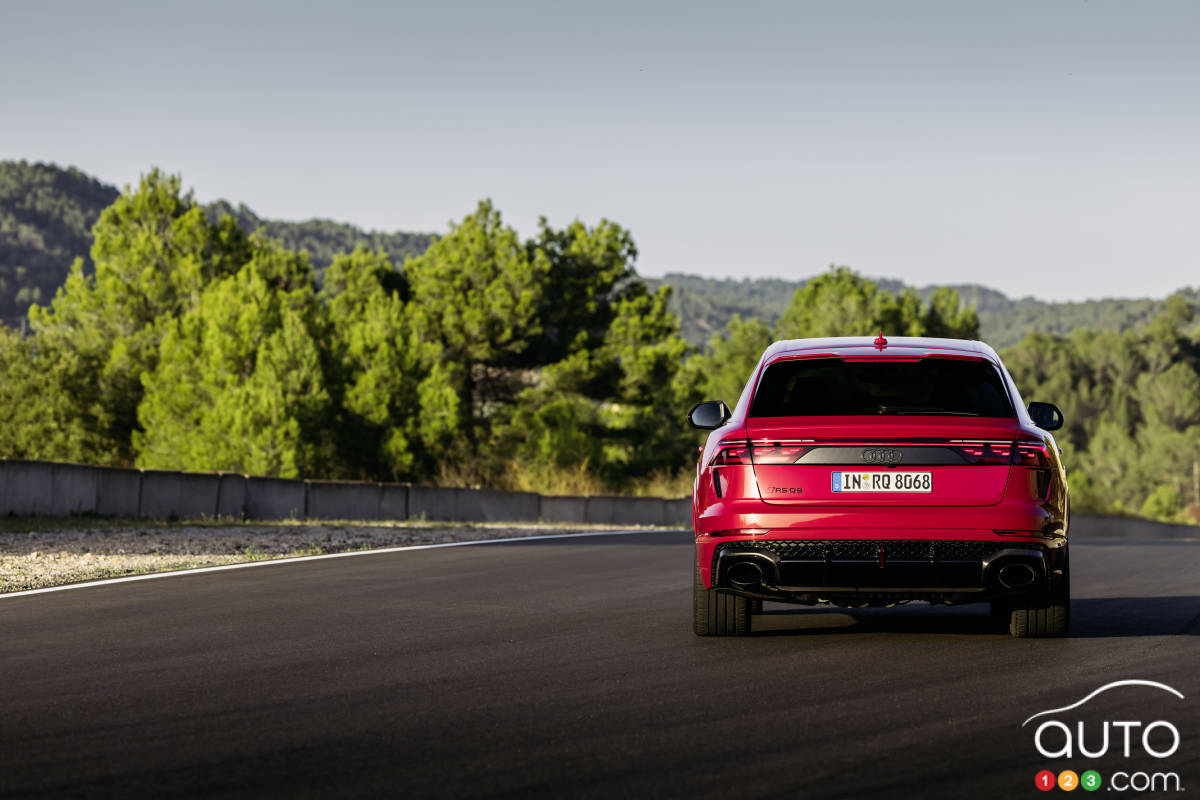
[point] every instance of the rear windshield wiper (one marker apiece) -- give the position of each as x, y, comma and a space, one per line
925, 410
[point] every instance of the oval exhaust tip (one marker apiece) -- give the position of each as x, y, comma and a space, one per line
745, 573
1016, 576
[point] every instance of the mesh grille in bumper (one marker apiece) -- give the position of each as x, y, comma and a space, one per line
869, 549
867, 563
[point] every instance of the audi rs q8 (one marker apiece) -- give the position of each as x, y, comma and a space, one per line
860, 473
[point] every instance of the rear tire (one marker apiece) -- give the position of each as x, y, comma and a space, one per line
1044, 614
718, 613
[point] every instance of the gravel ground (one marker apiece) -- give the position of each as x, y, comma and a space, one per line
42, 552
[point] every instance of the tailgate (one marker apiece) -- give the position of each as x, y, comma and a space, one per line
867, 461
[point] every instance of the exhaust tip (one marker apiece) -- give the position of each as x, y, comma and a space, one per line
1016, 576
744, 574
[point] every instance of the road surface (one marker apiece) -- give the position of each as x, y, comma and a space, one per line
565, 668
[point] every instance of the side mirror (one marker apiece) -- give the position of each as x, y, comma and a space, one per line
709, 415
1046, 416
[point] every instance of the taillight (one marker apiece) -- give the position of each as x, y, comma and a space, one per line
745, 453
1031, 455
1025, 454
731, 454
986, 452
778, 453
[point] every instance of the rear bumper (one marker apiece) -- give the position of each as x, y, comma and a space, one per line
861, 569
866, 521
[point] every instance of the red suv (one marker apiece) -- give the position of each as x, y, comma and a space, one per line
860, 472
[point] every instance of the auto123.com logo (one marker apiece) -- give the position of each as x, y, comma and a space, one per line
1141, 747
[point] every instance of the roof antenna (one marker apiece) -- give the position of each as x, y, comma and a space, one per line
881, 342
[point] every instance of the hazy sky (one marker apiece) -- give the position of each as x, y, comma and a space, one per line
1041, 148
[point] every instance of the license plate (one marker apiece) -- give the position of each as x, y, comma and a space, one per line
882, 482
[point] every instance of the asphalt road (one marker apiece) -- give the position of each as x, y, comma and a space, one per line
566, 667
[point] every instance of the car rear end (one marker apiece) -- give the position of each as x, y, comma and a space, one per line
868, 473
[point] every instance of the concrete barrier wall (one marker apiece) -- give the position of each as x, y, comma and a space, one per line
186, 495
627, 511
198, 495
1095, 525
342, 500
39, 487
275, 498
494, 505
231, 495
393, 501
28, 487
432, 502
75, 489
678, 511
47, 488
160, 493
118, 492
564, 509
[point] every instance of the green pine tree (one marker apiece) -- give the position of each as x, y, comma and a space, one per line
241, 383
380, 364
154, 253
476, 293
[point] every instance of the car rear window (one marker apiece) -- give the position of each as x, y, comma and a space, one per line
829, 386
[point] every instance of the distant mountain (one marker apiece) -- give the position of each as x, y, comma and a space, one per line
46, 218
323, 238
704, 305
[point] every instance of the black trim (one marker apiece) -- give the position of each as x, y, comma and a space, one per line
805, 570
907, 456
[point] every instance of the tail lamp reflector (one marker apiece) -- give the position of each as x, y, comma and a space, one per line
1031, 455
986, 452
744, 453
740, 532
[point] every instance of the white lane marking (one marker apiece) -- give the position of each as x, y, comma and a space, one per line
297, 559
1104, 688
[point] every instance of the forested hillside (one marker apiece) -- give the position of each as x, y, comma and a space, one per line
541, 363
46, 218
323, 239
487, 360
46, 214
490, 359
705, 305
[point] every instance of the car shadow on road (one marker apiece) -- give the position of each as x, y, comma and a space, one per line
1091, 617
1101, 617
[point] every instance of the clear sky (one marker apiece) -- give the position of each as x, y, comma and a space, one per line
1045, 148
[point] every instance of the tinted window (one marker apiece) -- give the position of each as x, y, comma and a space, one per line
830, 386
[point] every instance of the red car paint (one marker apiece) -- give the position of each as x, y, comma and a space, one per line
1006, 502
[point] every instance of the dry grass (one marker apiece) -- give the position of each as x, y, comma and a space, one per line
548, 479
666, 484
580, 480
